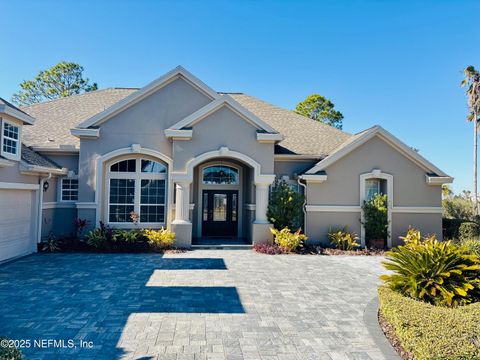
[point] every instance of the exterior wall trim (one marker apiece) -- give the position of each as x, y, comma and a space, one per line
438, 180
418, 209
18, 186
86, 205
187, 175
333, 208
58, 205
85, 133
356, 208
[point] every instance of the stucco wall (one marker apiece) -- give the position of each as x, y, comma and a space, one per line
58, 221
427, 223
283, 167
223, 128
343, 187
319, 223
12, 174
69, 161
142, 123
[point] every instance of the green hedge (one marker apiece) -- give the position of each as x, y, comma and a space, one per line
432, 332
468, 230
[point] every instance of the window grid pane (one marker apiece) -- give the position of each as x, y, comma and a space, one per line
69, 190
372, 187
124, 166
10, 138
152, 201
122, 198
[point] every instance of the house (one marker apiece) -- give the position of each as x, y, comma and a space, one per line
182, 155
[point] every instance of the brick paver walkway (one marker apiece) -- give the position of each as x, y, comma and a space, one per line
203, 304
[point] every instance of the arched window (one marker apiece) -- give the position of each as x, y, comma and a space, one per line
137, 186
220, 175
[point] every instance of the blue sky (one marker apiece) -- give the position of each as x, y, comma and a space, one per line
393, 63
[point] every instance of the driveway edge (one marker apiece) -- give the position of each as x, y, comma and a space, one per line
370, 317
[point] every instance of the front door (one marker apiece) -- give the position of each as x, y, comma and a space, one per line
219, 212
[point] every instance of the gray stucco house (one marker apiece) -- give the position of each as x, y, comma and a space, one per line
184, 156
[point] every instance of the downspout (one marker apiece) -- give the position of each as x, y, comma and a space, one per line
40, 207
304, 205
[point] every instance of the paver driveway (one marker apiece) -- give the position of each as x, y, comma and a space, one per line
203, 304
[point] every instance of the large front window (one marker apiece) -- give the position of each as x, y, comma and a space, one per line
137, 186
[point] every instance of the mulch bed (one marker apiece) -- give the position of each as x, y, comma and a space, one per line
318, 250
392, 337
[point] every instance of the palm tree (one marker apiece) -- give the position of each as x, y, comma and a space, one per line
472, 80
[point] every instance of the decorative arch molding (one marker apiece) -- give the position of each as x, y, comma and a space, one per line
134, 149
187, 176
377, 174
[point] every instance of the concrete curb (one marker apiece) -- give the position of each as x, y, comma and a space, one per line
370, 317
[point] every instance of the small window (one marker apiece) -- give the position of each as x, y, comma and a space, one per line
220, 175
124, 166
69, 189
372, 187
10, 144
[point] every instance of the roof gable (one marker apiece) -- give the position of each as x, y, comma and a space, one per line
361, 138
223, 101
130, 100
11, 110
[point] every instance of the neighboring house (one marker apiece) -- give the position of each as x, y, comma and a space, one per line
184, 156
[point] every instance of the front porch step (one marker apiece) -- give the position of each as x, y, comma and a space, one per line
222, 247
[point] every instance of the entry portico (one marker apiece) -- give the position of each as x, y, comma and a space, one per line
182, 224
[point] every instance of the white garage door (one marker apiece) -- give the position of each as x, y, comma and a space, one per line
17, 219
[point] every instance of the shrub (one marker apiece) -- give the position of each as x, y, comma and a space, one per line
451, 228
159, 239
127, 236
468, 230
270, 249
285, 208
431, 332
342, 239
100, 238
287, 240
9, 352
51, 244
458, 207
440, 273
376, 217
471, 245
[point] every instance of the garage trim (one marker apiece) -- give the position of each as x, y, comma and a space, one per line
18, 186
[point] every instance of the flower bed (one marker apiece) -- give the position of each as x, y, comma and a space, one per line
432, 332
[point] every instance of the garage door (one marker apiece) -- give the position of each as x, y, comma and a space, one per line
17, 220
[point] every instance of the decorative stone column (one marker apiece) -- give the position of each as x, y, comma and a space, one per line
182, 203
261, 203
181, 226
261, 226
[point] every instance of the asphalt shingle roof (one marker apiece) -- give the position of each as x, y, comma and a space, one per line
33, 158
55, 119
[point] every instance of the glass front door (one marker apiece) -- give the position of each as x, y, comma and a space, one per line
219, 212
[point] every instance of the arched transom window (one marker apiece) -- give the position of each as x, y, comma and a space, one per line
220, 175
137, 186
